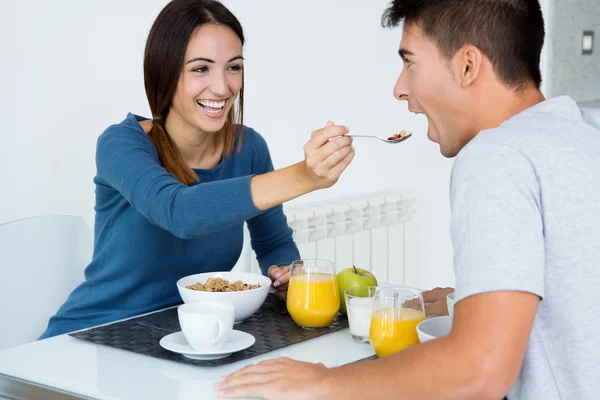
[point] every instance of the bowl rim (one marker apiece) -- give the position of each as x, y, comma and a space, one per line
265, 286
444, 317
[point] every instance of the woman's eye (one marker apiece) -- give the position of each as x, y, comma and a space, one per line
236, 67
200, 69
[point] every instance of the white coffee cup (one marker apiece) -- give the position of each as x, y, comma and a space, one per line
450, 303
206, 324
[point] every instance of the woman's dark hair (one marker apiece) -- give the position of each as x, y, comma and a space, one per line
163, 63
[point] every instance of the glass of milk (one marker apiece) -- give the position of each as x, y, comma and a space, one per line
359, 303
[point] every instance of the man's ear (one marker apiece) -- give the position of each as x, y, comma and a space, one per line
468, 63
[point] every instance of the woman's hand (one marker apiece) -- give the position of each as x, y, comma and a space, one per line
327, 154
280, 276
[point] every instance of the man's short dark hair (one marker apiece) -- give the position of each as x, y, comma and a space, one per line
509, 32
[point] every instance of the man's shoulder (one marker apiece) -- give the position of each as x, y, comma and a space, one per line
591, 116
543, 129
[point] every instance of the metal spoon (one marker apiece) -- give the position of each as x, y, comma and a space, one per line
385, 140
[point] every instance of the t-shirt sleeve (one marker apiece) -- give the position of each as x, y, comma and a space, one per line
497, 227
271, 237
127, 161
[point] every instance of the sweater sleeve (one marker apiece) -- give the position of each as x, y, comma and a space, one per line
271, 237
127, 161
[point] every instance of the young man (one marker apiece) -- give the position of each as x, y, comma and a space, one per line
525, 202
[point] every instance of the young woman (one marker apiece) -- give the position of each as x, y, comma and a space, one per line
173, 192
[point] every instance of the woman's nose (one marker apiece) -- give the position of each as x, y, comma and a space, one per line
219, 85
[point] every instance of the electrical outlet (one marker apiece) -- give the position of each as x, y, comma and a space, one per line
587, 42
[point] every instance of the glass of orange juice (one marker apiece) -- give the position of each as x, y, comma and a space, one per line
396, 313
313, 298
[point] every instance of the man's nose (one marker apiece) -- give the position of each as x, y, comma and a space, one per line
401, 91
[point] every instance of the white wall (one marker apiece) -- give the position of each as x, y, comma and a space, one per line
568, 71
70, 68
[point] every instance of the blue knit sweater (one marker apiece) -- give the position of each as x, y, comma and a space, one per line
151, 230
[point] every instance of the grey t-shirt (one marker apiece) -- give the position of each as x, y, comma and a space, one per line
525, 203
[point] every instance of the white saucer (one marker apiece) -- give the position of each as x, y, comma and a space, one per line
236, 341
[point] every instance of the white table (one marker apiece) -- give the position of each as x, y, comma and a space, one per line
64, 367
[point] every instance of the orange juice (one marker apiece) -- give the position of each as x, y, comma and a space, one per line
313, 299
394, 330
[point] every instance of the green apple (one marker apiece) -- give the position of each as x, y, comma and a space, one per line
351, 277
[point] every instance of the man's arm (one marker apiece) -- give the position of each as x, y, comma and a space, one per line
480, 359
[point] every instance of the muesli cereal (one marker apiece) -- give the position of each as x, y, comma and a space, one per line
222, 285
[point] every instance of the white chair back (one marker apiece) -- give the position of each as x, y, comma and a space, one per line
42, 260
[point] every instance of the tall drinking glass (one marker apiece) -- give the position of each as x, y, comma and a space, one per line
313, 299
396, 313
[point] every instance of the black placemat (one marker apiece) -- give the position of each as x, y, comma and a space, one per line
271, 326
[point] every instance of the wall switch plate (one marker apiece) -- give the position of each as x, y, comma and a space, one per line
587, 42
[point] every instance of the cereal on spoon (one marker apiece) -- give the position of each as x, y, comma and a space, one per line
399, 135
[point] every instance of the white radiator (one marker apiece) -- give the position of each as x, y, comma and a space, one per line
369, 231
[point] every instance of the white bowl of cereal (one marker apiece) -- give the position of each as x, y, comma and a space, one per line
227, 287
433, 328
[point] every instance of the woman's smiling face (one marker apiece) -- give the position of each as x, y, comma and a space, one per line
211, 78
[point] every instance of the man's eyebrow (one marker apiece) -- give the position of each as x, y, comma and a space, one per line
208, 60
403, 53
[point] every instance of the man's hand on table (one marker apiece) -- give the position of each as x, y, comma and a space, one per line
271, 380
435, 301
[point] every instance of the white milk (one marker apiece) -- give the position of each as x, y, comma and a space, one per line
360, 310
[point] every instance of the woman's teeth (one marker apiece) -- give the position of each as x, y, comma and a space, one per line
214, 106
